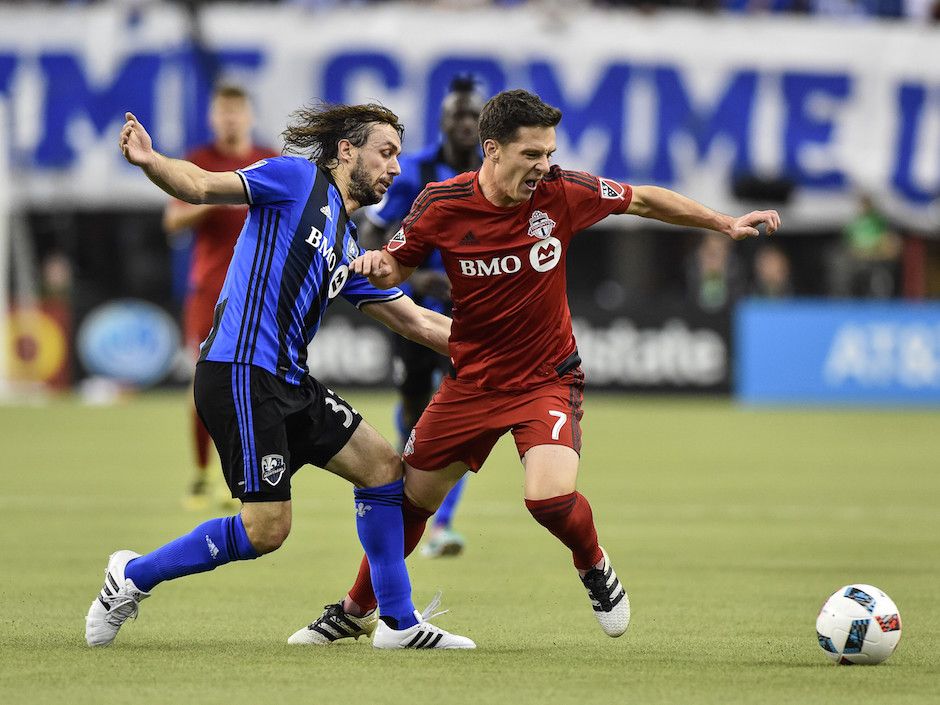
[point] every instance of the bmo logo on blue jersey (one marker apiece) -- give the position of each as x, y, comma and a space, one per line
338, 278
544, 255
316, 240
338, 281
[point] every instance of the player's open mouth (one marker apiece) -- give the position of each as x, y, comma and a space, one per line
531, 184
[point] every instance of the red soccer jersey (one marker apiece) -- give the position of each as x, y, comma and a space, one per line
215, 235
512, 325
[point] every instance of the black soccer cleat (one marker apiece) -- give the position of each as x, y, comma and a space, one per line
608, 598
334, 624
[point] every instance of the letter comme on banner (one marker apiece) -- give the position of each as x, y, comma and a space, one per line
838, 353
828, 106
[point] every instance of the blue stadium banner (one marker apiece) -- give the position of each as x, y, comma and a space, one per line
839, 353
677, 101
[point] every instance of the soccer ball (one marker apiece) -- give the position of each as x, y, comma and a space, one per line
859, 624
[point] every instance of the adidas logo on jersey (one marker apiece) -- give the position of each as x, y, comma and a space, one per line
469, 239
327, 212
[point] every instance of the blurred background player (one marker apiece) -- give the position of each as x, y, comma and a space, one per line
771, 274
867, 264
215, 229
417, 369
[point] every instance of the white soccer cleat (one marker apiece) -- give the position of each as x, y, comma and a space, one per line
118, 600
334, 624
608, 598
422, 635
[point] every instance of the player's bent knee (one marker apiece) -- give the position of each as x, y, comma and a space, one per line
367, 460
388, 468
268, 538
267, 525
382, 465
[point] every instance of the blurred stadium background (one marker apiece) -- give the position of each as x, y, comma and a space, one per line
828, 110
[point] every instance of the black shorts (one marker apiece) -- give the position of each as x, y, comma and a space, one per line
265, 429
416, 368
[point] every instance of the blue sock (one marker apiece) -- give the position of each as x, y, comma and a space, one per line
382, 535
211, 544
445, 513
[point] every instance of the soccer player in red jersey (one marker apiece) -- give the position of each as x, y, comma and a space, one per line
215, 230
503, 232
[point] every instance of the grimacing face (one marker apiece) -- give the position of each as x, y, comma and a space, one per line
521, 163
376, 165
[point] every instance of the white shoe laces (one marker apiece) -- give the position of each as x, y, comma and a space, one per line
428, 613
123, 607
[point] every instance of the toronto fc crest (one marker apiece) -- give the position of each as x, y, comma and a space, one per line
540, 225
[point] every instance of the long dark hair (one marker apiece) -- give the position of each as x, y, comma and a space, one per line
315, 130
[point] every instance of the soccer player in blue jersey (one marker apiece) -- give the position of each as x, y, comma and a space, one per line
265, 413
417, 368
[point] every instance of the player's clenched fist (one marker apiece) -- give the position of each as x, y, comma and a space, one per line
371, 263
135, 142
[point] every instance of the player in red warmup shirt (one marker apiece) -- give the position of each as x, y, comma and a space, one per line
215, 230
503, 233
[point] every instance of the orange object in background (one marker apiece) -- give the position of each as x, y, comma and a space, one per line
37, 341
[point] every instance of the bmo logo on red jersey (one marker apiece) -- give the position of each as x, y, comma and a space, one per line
544, 255
490, 268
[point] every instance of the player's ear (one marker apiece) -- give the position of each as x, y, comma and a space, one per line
491, 149
345, 151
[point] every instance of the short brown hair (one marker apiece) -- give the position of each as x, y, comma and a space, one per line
506, 112
229, 90
316, 130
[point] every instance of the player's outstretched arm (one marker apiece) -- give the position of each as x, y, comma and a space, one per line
382, 270
414, 322
671, 207
181, 179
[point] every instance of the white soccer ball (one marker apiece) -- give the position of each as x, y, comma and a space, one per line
859, 624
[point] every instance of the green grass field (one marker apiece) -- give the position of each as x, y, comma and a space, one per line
728, 526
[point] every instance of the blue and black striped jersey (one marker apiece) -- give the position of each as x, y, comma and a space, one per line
290, 261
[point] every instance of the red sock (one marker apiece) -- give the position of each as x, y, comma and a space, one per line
569, 518
415, 519
201, 437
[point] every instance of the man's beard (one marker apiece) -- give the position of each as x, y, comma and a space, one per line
361, 190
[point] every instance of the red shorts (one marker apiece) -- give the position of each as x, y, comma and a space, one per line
199, 309
463, 422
